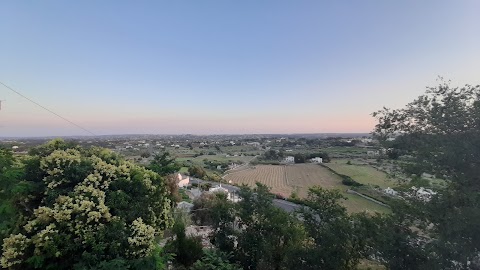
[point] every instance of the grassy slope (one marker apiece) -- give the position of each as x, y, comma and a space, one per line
363, 174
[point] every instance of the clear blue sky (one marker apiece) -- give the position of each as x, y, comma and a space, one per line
226, 66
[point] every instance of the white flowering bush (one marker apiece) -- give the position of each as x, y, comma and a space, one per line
93, 207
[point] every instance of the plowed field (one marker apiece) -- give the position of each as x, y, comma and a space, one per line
286, 179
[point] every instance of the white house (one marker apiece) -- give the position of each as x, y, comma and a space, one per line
289, 159
422, 193
390, 191
317, 160
182, 181
366, 140
230, 196
218, 188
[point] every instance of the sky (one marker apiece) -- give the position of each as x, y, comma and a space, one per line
226, 67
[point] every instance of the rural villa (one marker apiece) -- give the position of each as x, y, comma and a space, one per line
182, 181
230, 196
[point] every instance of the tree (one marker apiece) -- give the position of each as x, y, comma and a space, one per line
202, 207
163, 164
215, 260
166, 166
441, 131
273, 155
197, 171
89, 208
299, 158
264, 234
145, 154
336, 239
187, 249
11, 190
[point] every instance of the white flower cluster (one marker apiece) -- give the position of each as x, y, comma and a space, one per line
142, 237
13, 250
56, 163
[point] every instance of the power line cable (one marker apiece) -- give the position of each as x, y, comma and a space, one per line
48, 110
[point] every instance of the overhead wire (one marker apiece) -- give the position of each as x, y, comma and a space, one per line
48, 110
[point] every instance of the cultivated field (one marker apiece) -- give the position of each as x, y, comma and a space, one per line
298, 178
270, 175
308, 175
363, 174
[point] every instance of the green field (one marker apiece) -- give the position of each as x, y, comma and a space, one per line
364, 174
355, 203
183, 170
345, 149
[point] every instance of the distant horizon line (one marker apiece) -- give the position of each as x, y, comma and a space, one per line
174, 134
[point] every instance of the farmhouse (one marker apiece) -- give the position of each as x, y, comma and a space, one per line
422, 193
289, 159
390, 191
230, 196
316, 160
182, 181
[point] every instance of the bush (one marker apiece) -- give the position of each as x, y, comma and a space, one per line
348, 181
187, 250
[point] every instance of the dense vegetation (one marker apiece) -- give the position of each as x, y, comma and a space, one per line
321, 236
440, 132
66, 207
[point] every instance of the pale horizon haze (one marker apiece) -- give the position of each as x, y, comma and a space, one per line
226, 67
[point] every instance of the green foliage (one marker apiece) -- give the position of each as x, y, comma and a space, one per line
322, 235
145, 154
348, 181
197, 171
267, 233
82, 208
273, 155
184, 196
163, 164
440, 131
299, 158
11, 189
215, 260
337, 240
187, 249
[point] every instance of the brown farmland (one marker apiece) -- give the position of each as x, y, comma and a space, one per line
285, 179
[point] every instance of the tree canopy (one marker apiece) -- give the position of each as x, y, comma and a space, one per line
81, 208
440, 132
